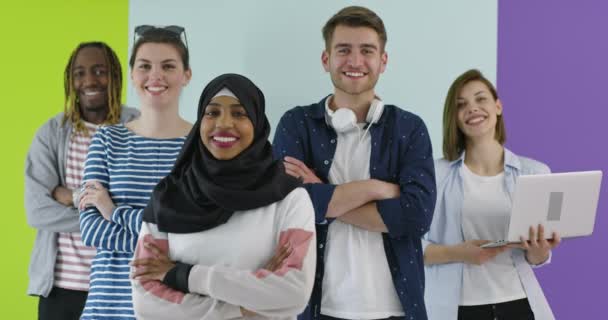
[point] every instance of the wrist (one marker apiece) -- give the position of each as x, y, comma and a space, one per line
75, 197
379, 190
454, 253
536, 260
373, 189
110, 211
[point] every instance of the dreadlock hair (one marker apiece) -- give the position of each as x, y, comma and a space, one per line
72, 106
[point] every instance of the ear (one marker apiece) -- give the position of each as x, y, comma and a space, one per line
325, 60
498, 107
187, 77
383, 61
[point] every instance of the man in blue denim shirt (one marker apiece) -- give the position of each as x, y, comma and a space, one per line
368, 168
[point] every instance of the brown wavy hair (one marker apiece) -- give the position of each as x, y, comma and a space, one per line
453, 138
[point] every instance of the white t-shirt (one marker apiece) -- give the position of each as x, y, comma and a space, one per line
486, 208
357, 283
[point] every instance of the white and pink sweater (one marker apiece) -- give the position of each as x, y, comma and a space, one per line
228, 265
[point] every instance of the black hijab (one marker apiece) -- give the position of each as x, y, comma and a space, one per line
202, 192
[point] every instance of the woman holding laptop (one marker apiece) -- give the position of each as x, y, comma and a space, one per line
475, 181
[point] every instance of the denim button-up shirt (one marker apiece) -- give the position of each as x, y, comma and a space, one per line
400, 154
444, 281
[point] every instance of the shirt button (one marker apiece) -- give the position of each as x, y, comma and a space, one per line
326, 162
321, 246
333, 141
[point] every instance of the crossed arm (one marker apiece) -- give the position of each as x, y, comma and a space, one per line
353, 202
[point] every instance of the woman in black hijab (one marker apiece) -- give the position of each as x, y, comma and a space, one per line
228, 232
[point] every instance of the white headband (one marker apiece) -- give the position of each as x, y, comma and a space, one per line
225, 92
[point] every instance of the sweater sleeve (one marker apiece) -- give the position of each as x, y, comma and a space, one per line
41, 178
282, 293
218, 291
154, 300
128, 218
97, 231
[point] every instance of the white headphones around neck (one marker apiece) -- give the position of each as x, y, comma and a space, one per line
344, 119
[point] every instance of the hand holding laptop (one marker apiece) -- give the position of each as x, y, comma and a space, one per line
537, 246
564, 202
471, 252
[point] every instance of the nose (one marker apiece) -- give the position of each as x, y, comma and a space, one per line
224, 121
472, 108
355, 59
89, 79
156, 73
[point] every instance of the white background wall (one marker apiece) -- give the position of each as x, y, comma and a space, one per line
278, 45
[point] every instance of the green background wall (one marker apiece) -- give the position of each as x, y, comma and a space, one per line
36, 39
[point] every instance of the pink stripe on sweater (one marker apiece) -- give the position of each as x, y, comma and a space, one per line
298, 240
71, 272
72, 263
156, 287
84, 282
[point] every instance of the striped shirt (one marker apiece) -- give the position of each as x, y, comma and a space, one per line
129, 166
73, 263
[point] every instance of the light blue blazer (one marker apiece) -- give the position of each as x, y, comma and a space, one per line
444, 281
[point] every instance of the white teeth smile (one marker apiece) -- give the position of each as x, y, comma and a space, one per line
224, 139
476, 120
354, 74
92, 93
156, 89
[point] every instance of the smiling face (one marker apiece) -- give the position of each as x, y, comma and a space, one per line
90, 76
226, 129
158, 74
355, 59
477, 111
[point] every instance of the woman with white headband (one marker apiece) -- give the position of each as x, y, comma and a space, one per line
228, 233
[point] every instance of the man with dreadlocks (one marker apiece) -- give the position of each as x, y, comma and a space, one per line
60, 263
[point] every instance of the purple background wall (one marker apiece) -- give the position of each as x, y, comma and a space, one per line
553, 80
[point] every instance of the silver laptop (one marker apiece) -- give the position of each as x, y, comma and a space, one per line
562, 202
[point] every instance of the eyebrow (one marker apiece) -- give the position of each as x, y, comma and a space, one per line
148, 61
79, 67
476, 94
348, 45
